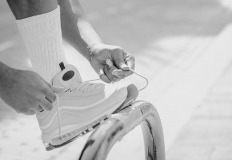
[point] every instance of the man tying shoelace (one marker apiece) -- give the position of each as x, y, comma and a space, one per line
65, 106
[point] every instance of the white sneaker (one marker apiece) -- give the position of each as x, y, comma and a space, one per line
80, 108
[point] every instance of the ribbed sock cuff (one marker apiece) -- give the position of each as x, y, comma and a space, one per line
43, 40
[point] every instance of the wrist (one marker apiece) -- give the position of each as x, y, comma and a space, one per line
5, 71
84, 48
95, 48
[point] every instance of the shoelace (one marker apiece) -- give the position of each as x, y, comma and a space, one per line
109, 63
84, 87
58, 113
147, 82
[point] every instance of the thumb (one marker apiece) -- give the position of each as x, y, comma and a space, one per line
103, 77
119, 61
57, 89
54, 88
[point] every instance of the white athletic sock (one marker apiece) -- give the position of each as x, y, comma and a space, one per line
43, 39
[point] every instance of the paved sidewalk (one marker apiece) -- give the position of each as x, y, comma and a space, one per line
208, 135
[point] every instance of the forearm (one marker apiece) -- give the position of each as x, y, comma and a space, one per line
4, 69
76, 30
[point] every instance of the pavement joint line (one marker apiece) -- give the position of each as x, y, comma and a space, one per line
193, 85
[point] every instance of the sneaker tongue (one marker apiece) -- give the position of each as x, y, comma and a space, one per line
75, 82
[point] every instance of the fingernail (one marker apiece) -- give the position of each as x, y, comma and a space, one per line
124, 66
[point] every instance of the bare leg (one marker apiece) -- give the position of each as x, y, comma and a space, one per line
40, 27
27, 8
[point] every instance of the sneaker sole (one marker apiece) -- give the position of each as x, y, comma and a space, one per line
71, 136
65, 139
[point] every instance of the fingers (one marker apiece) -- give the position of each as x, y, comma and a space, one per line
57, 89
38, 108
103, 77
130, 61
120, 66
28, 112
118, 57
108, 72
123, 60
49, 92
121, 73
48, 97
118, 72
45, 104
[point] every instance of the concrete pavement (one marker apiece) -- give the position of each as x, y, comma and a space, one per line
208, 135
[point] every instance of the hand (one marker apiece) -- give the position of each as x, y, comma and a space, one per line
26, 91
122, 62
